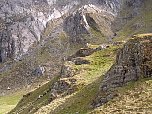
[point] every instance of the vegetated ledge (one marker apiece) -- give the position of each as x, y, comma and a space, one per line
133, 62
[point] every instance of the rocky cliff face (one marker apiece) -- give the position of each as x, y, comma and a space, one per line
18, 26
22, 22
133, 62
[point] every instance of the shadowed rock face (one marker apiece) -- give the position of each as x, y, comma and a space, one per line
7, 45
74, 26
133, 62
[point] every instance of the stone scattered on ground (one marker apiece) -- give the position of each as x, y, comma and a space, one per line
80, 61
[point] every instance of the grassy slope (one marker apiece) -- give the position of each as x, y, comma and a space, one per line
144, 18
139, 24
135, 97
7, 103
31, 102
88, 81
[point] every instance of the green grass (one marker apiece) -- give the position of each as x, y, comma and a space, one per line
30, 102
135, 97
8, 102
80, 102
96, 37
88, 82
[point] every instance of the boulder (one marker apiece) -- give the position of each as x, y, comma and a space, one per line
67, 72
83, 52
80, 61
39, 71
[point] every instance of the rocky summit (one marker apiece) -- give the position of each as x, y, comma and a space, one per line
75, 56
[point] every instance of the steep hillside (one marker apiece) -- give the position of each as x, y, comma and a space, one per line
135, 97
60, 55
76, 82
133, 63
80, 91
134, 18
34, 32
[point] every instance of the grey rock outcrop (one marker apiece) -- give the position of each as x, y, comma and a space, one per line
7, 45
68, 72
39, 71
132, 63
73, 25
83, 52
80, 61
22, 22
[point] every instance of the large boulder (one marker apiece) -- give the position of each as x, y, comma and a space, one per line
83, 52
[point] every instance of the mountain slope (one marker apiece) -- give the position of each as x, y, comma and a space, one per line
134, 18
85, 83
135, 97
41, 40
86, 95
39, 29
